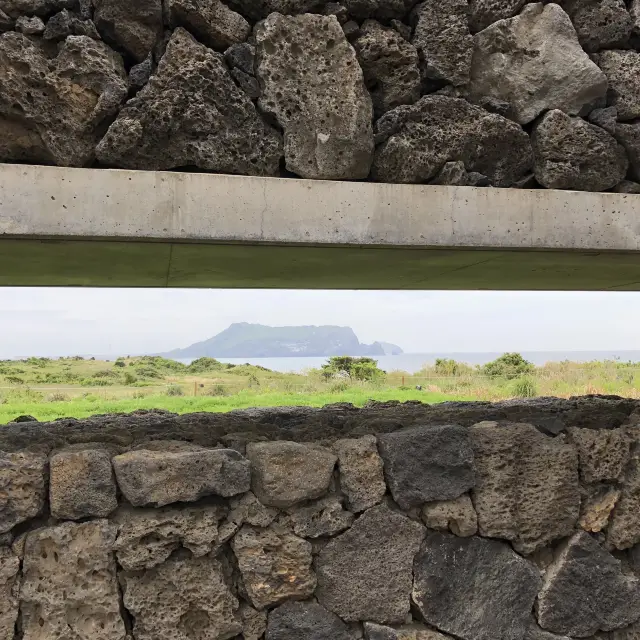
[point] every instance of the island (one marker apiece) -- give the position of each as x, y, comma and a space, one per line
246, 340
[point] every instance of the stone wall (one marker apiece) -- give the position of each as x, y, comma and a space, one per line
475, 521
504, 93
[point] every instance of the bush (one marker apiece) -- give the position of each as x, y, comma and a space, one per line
175, 390
525, 388
356, 368
148, 372
57, 396
105, 373
508, 365
215, 390
450, 367
204, 364
339, 387
130, 378
119, 363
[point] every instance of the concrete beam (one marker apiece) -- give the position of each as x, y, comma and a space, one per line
61, 226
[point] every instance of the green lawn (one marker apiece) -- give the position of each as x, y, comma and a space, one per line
83, 407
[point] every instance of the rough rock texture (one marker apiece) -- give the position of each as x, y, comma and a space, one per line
586, 591
30, 26
526, 486
390, 66
379, 9
573, 154
365, 573
162, 477
132, 27
628, 135
286, 473
9, 592
305, 621
423, 464
482, 13
275, 565
65, 23
361, 472
23, 478
81, 485
254, 623
624, 529
600, 24
627, 186
473, 588
51, 110
535, 62
191, 113
69, 587
417, 140
147, 537
441, 35
603, 454
184, 598
457, 516
325, 517
374, 631
313, 85
622, 69
597, 506
211, 21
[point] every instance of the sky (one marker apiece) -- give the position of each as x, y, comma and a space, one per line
110, 322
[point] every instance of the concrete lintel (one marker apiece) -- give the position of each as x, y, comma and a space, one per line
89, 227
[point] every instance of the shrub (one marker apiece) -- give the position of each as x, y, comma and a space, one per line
119, 363
525, 387
204, 364
339, 387
105, 373
253, 380
357, 368
215, 390
450, 367
148, 372
130, 378
508, 365
138, 395
175, 390
14, 380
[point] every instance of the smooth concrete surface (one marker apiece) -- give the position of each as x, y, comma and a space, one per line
97, 227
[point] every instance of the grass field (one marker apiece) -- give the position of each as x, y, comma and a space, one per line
49, 389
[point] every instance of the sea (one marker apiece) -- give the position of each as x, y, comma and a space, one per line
413, 362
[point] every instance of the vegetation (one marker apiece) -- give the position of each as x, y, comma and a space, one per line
49, 389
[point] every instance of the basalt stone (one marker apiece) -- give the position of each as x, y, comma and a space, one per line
325, 517
275, 565
361, 472
586, 591
483, 13
474, 588
148, 477
305, 621
191, 113
313, 86
527, 485
603, 453
628, 135
23, 482
241, 56
423, 464
366, 572
606, 118
256, 10
441, 35
9, 592
622, 69
132, 27
254, 623
624, 529
287, 473
627, 186
52, 110
69, 586
30, 26
390, 66
457, 516
379, 9
534, 62
66, 23
147, 537
600, 24
181, 599
6, 23
17, 8
418, 140
140, 73
247, 83
413, 631
338, 10
573, 154
81, 485
211, 21
598, 502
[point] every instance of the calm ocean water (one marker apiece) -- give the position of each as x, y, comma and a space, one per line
412, 362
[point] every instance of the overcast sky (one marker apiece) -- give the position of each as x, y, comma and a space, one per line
50, 322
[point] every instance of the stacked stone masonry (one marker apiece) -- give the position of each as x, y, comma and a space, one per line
502, 93
469, 521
